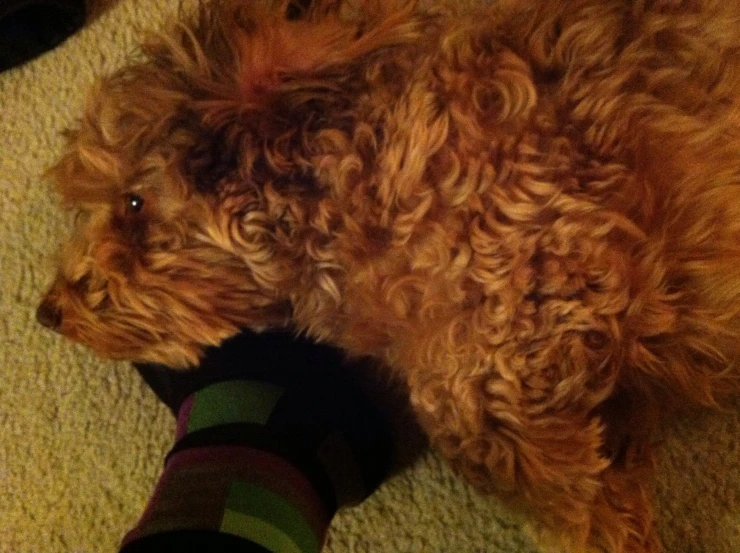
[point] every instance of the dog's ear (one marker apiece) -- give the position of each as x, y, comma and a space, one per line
241, 49
308, 37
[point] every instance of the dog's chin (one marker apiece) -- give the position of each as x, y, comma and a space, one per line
134, 345
174, 355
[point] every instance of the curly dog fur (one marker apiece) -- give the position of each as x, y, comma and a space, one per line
530, 212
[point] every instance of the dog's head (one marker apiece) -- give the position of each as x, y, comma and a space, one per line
171, 170
150, 271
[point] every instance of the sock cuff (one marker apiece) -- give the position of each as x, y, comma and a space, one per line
239, 491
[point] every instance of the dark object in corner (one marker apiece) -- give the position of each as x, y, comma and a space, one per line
29, 28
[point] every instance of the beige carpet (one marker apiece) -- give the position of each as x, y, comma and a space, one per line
81, 441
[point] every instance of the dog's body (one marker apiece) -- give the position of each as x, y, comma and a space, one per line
530, 214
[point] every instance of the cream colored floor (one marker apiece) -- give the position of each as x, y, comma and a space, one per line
81, 441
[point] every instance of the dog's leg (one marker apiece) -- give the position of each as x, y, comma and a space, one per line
550, 459
622, 518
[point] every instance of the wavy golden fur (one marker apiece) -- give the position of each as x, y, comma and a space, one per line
529, 212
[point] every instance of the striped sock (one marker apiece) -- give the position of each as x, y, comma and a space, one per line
266, 464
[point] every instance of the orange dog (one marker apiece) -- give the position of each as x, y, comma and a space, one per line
529, 212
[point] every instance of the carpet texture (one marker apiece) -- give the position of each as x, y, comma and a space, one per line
82, 441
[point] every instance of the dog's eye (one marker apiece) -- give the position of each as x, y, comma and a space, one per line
134, 203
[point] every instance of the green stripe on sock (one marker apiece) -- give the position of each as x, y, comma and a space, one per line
236, 401
259, 532
255, 501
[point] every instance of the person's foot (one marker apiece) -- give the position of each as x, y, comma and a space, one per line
279, 357
318, 384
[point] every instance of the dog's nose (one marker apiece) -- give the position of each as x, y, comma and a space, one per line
49, 315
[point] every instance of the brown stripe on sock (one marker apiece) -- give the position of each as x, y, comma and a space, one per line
261, 468
192, 493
